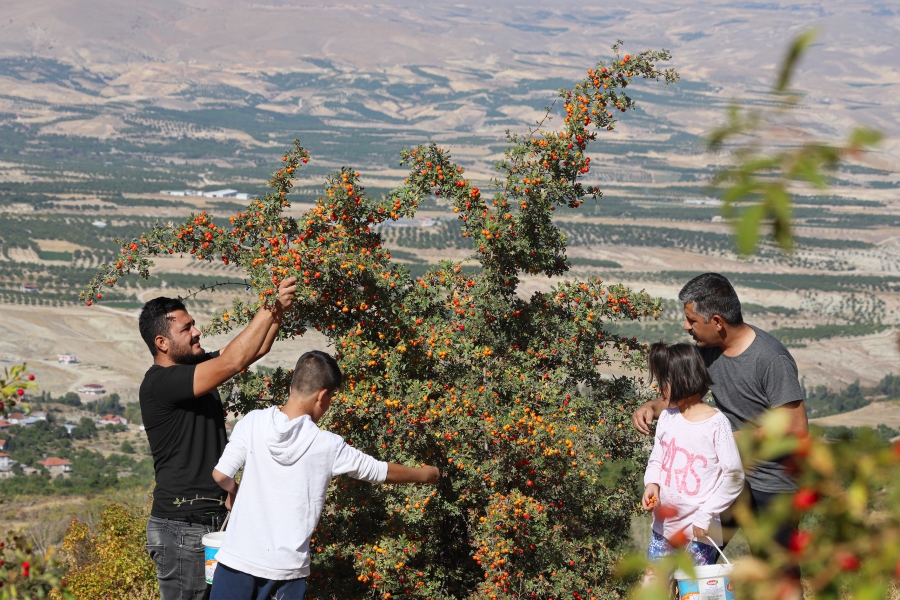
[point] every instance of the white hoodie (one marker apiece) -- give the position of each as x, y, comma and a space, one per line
288, 466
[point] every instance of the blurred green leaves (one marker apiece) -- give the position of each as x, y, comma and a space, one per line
773, 156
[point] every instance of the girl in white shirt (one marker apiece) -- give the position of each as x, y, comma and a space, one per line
694, 471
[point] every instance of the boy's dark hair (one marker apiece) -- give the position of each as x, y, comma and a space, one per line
712, 294
153, 321
316, 370
681, 368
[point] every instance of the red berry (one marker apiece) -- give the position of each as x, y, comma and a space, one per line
31, 378
847, 561
805, 498
679, 539
799, 541
666, 512
20, 392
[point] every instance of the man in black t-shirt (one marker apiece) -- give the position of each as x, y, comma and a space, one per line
184, 419
752, 373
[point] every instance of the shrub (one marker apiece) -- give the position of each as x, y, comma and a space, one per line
85, 430
503, 393
13, 384
110, 561
28, 575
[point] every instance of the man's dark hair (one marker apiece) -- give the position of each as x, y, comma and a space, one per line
153, 321
712, 294
680, 368
316, 370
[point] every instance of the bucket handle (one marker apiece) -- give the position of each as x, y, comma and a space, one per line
228, 516
716, 546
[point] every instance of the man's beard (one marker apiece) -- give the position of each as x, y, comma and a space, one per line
184, 355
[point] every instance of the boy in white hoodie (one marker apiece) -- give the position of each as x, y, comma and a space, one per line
288, 464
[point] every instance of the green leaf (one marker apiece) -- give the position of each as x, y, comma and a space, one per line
798, 47
739, 192
806, 168
747, 229
779, 207
863, 136
871, 590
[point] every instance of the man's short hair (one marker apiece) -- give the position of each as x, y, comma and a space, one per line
712, 294
153, 320
680, 368
316, 370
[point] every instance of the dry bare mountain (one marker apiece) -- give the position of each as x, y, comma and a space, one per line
130, 51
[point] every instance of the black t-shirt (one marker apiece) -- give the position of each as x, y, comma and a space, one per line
187, 437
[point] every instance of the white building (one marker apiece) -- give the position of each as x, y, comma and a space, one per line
94, 389
5, 461
221, 194
67, 359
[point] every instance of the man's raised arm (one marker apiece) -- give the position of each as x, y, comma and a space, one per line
247, 346
643, 417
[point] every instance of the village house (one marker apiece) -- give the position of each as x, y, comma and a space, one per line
16, 418
57, 466
94, 389
5, 462
112, 420
4, 425
67, 359
3, 445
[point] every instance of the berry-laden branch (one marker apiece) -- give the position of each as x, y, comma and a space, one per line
522, 400
13, 385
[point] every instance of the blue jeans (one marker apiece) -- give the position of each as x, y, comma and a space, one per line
231, 584
177, 550
700, 553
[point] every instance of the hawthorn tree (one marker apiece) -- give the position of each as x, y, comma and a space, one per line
455, 369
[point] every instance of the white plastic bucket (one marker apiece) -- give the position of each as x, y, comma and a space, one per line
710, 582
211, 543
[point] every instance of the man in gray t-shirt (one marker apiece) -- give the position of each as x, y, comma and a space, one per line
752, 373
762, 377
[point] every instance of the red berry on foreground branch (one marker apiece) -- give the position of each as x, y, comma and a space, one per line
847, 561
805, 498
799, 541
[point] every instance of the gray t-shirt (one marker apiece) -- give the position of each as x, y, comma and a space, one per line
762, 377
